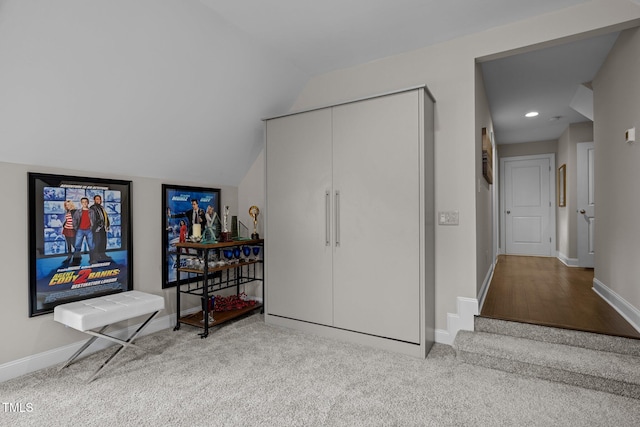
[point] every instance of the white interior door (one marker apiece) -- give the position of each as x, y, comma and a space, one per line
528, 206
586, 204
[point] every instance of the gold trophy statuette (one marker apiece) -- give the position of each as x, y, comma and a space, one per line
254, 212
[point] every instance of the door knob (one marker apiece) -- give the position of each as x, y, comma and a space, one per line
582, 211
508, 212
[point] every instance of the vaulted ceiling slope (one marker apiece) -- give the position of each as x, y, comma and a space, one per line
176, 89
321, 36
156, 88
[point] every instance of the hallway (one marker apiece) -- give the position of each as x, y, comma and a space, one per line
544, 291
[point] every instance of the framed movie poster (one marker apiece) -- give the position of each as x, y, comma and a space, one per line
183, 208
79, 239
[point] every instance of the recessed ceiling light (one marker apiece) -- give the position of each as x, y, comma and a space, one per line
531, 114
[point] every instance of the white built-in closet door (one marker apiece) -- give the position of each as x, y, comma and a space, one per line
377, 255
298, 248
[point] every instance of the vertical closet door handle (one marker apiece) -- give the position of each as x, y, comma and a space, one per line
337, 207
327, 218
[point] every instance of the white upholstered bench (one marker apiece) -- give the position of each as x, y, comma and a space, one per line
101, 312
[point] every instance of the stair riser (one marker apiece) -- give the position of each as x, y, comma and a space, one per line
587, 340
550, 374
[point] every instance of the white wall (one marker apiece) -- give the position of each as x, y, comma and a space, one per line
485, 251
567, 231
617, 171
565, 156
527, 148
448, 70
251, 192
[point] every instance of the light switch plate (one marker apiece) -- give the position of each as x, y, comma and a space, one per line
448, 218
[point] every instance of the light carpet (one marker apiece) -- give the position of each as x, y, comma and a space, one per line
249, 373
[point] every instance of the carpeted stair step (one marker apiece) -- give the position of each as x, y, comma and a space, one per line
590, 340
593, 369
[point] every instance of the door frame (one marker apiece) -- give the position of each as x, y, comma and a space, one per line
552, 196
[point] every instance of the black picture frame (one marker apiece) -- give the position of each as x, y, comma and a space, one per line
102, 265
176, 202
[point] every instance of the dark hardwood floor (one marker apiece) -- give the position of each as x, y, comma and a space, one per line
544, 291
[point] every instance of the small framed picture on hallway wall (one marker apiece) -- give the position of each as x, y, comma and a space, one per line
487, 155
79, 239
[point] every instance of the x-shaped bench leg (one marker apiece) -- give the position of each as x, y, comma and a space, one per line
100, 334
123, 344
83, 348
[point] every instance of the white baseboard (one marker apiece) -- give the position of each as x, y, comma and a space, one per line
485, 287
60, 355
569, 262
462, 320
626, 310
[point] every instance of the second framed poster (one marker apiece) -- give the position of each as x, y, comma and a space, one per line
183, 208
